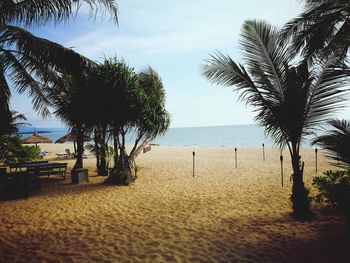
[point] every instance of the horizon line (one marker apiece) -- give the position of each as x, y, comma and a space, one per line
176, 127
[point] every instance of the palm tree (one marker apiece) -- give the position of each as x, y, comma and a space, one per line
337, 143
130, 103
321, 30
72, 104
290, 99
30, 62
154, 120
15, 120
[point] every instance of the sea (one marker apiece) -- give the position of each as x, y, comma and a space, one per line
213, 136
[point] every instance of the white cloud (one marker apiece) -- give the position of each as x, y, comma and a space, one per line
97, 43
178, 26
175, 36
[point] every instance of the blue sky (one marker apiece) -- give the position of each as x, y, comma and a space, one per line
174, 37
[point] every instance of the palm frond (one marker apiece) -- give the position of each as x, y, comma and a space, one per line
327, 93
319, 30
289, 101
337, 143
40, 12
4, 88
24, 82
33, 63
44, 51
259, 42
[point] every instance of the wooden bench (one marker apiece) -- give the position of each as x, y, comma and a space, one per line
41, 168
14, 167
49, 169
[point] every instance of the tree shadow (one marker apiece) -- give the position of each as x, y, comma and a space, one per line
55, 186
284, 239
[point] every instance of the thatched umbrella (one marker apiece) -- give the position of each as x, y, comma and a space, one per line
72, 137
35, 138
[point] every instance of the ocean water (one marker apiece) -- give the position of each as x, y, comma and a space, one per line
214, 136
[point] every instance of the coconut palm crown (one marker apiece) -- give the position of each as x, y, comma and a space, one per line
322, 29
290, 99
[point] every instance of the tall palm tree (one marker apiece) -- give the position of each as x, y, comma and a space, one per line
337, 143
321, 30
290, 99
30, 62
121, 100
71, 103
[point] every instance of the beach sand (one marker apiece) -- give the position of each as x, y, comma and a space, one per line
223, 214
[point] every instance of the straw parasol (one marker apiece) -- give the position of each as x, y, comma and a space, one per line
35, 138
72, 137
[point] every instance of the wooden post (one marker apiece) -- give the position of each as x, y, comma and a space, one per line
236, 157
281, 159
316, 159
263, 147
194, 154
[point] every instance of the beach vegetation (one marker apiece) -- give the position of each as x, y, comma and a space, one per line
291, 97
134, 103
13, 122
12, 150
28, 63
102, 150
71, 103
336, 142
320, 31
334, 188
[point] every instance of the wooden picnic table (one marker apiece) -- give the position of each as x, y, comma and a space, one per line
41, 168
15, 167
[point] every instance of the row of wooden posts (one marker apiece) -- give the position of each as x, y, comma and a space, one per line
263, 150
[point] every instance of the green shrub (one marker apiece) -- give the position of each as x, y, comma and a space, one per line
121, 177
334, 188
331, 187
12, 151
30, 153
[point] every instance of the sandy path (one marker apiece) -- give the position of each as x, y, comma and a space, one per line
223, 214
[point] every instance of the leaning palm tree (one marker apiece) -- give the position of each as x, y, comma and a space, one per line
290, 99
153, 119
323, 28
29, 62
337, 143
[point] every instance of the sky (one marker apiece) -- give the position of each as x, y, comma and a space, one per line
175, 37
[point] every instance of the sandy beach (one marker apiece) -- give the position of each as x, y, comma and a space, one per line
223, 214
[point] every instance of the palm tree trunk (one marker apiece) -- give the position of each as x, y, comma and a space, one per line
299, 197
122, 173
80, 148
116, 146
139, 149
103, 146
97, 151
